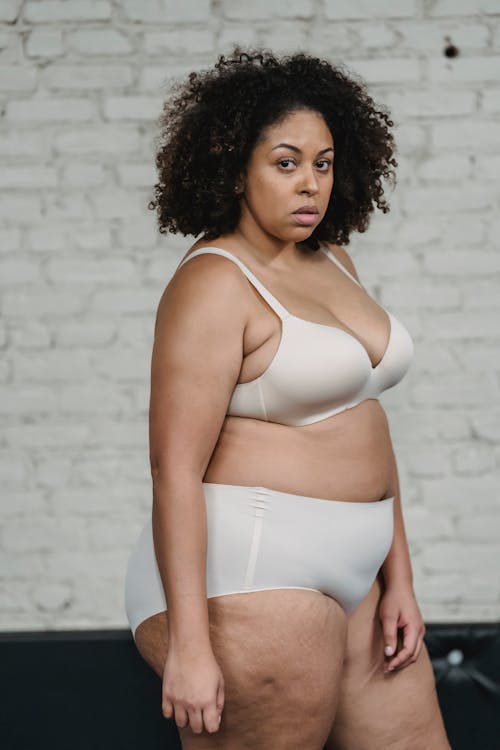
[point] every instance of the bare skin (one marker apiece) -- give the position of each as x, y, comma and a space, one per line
298, 673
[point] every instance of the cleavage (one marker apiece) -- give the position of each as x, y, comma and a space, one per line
263, 337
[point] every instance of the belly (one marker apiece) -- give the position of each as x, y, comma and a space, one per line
345, 457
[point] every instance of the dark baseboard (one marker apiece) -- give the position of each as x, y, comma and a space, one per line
91, 690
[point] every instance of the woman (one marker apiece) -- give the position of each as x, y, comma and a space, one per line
276, 536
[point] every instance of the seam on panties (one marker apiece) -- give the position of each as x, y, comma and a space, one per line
260, 504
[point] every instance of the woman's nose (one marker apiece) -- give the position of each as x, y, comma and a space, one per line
309, 181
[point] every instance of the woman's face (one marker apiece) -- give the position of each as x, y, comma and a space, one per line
291, 167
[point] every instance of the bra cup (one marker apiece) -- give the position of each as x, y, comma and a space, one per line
313, 373
398, 357
310, 374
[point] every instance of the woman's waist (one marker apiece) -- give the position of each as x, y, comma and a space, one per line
348, 461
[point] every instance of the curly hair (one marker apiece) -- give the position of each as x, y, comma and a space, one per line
216, 117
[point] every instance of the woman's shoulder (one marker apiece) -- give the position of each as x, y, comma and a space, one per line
205, 282
343, 257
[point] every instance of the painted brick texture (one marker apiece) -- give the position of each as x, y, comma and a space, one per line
82, 268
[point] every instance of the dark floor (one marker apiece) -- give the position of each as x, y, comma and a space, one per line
90, 690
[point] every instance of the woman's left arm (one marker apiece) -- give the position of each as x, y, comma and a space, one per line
398, 607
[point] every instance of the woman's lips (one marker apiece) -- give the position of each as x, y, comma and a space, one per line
306, 220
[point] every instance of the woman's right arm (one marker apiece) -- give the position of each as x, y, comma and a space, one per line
196, 360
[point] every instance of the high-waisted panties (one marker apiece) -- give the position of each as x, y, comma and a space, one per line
259, 539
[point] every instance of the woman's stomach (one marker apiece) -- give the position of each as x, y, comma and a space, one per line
345, 457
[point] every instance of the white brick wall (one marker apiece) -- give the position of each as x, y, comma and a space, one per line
82, 267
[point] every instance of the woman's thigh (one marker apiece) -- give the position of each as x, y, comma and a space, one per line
376, 711
281, 653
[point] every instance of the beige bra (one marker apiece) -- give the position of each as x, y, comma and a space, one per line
318, 370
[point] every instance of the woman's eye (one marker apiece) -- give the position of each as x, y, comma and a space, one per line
325, 162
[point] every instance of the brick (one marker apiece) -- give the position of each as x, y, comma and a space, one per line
449, 556
22, 146
10, 239
80, 270
48, 433
46, 237
123, 301
481, 294
340, 10
58, 302
464, 69
101, 563
9, 10
85, 77
471, 389
451, 8
23, 208
83, 175
170, 42
91, 332
51, 366
444, 198
20, 565
94, 238
376, 35
430, 103
137, 175
487, 425
52, 597
17, 78
474, 459
448, 167
45, 534
96, 398
102, 139
28, 177
18, 271
99, 42
120, 204
18, 502
47, 43
124, 364
29, 334
133, 108
387, 70
163, 11
50, 110
55, 11
461, 262
430, 36
420, 292
232, 33
469, 134
287, 36
157, 78
491, 100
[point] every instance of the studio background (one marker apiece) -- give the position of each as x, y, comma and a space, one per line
82, 268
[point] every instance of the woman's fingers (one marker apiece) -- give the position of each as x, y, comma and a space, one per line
212, 719
195, 720
181, 717
407, 655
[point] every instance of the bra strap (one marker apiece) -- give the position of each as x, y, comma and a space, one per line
278, 308
338, 263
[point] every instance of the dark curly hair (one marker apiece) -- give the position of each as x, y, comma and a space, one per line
215, 118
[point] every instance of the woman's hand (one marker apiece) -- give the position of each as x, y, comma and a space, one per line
398, 609
193, 690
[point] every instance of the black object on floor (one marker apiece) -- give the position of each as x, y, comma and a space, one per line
91, 690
